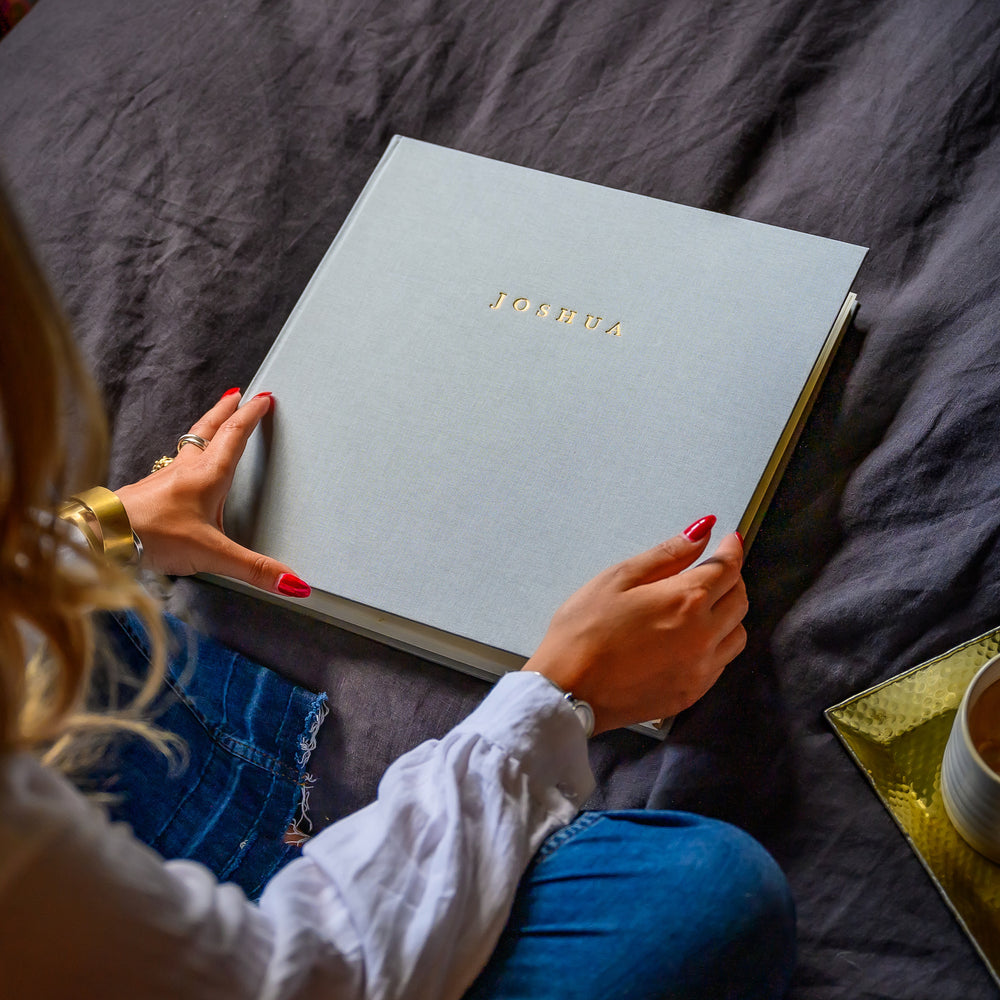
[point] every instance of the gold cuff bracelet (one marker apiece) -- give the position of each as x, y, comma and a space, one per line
102, 519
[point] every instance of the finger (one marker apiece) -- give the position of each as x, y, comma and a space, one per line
228, 558
722, 569
732, 645
231, 438
208, 424
731, 608
669, 557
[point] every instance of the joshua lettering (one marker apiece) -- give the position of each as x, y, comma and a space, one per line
565, 315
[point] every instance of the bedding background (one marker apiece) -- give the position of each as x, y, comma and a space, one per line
11, 11
184, 167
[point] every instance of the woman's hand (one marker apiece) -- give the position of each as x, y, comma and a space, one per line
647, 638
177, 511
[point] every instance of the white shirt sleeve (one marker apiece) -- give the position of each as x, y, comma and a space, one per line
405, 898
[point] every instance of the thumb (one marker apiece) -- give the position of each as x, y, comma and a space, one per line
669, 557
233, 560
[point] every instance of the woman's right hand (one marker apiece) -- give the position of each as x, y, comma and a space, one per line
647, 638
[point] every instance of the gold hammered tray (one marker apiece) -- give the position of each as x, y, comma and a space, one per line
896, 732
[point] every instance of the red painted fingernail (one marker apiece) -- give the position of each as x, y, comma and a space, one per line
740, 537
288, 583
270, 397
697, 531
229, 392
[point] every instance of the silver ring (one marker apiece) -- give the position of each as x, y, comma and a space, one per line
191, 439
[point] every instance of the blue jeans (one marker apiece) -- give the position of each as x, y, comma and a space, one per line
247, 734
636, 905
624, 905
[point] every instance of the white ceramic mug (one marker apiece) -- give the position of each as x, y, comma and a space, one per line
969, 787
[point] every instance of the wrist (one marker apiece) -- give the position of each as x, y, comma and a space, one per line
581, 709
101, 518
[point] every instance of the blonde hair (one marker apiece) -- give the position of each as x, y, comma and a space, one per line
53, 441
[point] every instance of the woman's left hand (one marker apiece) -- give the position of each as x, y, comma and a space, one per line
177, 511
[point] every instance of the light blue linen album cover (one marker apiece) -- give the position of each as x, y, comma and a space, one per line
500, 381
